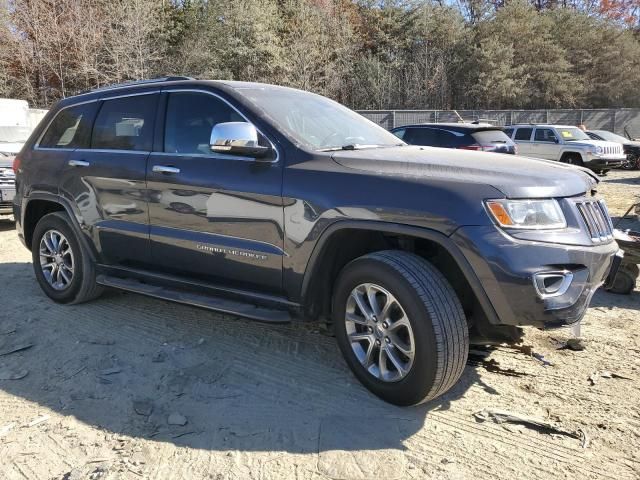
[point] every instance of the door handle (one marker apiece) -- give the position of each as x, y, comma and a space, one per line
78, 163
165, 169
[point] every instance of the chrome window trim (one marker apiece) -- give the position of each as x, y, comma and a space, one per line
220, 156
111, 150
95, 100
168, 90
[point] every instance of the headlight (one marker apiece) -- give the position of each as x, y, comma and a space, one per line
597, 150
531, 214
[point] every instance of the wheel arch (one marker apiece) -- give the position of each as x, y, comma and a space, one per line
40, 204
357, 238
568, 153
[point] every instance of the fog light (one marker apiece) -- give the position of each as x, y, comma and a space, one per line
552, 284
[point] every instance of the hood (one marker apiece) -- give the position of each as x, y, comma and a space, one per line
514, 176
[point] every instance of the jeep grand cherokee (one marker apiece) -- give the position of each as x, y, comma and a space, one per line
274, 203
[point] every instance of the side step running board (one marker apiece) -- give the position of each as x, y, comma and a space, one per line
254, 312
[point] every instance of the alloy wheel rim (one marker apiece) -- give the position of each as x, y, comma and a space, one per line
56, 260
379, 332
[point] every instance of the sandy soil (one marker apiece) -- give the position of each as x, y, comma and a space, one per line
99, 382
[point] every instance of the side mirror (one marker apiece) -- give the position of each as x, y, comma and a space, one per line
237, 138
555, 140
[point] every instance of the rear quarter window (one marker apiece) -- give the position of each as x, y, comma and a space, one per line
491, 136
70, 128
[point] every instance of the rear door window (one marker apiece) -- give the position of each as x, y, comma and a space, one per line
125, 123
70, 128
523, 134
422, 136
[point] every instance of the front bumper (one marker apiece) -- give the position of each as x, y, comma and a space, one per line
7, 193
509, 270
600, 162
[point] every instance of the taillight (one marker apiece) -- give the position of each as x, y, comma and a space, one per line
478, 148
16, 164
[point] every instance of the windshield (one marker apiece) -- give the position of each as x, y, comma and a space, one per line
610, 136
14, 134
317, 122
572, 133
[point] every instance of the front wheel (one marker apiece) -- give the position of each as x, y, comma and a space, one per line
631, 163
400, 327
61, 264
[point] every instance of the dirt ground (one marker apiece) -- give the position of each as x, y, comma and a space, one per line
100, 390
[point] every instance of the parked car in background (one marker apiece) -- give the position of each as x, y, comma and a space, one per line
273, 203
7, 185
17, 121
631, 148
567, 144
467, 136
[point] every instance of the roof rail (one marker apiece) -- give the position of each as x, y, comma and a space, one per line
139, 82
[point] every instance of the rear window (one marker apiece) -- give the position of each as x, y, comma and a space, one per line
523, 133
125, 124
486, 137
70, 128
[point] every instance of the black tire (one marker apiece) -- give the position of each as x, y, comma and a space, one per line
632, 163
573, 159
625, 281
440, 331
83, 286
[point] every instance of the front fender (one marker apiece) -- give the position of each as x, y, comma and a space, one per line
314, 263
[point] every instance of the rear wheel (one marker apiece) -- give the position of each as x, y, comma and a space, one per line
400, 327
61, 264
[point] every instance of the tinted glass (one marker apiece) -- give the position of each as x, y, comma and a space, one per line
523, 133
190, 118
447, 139
421, 136
125, 123
400, 133
545, 135
487, 137
508, 132
70, 128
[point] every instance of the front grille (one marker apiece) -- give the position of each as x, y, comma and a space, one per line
612, 150
596, 217
7, 177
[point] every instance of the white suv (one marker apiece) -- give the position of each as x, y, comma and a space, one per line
566, 144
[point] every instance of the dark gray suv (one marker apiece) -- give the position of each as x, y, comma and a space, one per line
273, 203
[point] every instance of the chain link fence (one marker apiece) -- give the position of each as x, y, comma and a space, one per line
614, 120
